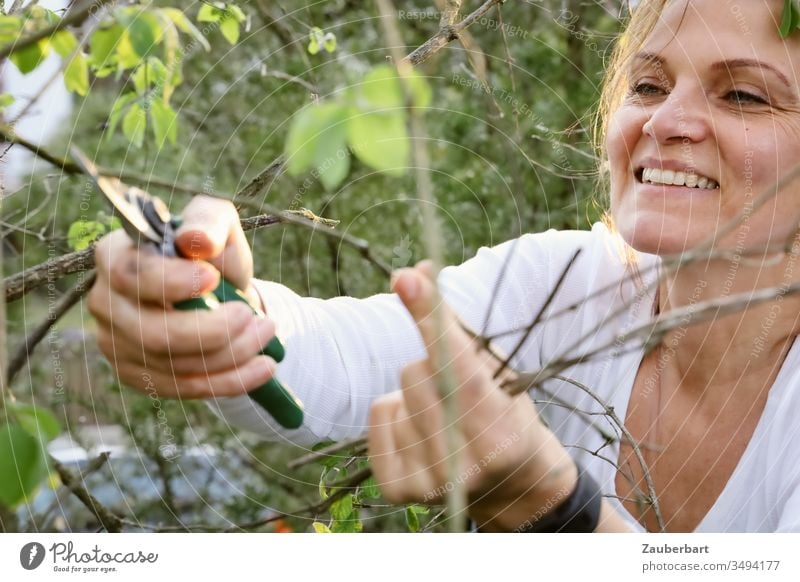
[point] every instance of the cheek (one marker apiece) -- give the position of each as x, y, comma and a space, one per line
624, 132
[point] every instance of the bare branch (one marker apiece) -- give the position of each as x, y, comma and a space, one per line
111, 522
357, 443
51, 270
32, 339
612, 414
446, 35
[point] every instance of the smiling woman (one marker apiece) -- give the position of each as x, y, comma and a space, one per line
701, 120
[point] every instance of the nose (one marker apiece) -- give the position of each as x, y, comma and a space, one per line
682, 115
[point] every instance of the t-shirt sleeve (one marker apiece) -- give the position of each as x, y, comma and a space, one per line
789, 521
344, 352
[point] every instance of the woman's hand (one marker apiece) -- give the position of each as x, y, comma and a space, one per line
186, 354
511, 465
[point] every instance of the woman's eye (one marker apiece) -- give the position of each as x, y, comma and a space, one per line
744, 98
645, 89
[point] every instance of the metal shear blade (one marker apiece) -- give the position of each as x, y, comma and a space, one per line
143, 216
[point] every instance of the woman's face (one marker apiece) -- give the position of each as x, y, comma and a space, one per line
713, 110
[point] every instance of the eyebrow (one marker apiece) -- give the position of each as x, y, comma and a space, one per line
726, 65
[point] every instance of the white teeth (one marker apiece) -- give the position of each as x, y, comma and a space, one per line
679, 178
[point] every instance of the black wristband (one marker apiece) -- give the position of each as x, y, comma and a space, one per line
578, 513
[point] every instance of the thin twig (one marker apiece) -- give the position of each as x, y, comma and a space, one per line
539, 314
447, 384
329, 451
111, 522
445, 35
612, 414
32, 339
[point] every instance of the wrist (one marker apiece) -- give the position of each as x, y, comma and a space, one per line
536, 487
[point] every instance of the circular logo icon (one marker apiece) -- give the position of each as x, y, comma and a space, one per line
31, 555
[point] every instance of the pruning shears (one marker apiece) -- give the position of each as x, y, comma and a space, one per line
147, 220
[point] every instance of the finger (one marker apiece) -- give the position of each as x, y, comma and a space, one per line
401, 473
418, 292
234, 382
211, 231
381, 443
422, 401
143, 275
176, 333
241, 350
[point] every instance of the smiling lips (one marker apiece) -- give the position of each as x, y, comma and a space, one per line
676, 178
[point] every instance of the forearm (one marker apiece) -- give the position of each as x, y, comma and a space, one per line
340, 355
529, 495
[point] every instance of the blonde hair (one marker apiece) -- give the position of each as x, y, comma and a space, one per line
641, 23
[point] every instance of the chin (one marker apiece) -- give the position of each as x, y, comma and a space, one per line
658, 235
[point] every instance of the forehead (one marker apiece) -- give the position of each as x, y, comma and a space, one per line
704, 31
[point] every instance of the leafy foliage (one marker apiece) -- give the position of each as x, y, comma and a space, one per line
23, 457
212, 115
790, 19
369, 120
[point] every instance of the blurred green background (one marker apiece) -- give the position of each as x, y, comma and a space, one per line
510, 154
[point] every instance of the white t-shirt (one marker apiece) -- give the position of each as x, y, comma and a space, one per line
343, 352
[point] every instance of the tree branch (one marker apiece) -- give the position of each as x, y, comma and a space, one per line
447, 33
111, 522
31, 340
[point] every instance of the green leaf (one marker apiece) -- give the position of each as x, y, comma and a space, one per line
144, 31
795, 15
229, 27
382, 89
333, 171
151, 73
36, 421
6, 99
117, 110
82, 233
127, 57
76, 75
23, 464
412, 520
345, 516
317, 138
209, 13
103, 46
320, 527
185, 25
314, 40
63, 42
380, 140
347, 526
9, 27
134, 124
787, 18
329, 42
236, 12
342, 509
165, 123
28, 58
369, 489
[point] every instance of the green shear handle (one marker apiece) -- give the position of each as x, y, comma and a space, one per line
278, 400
